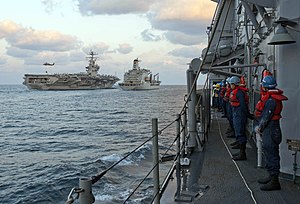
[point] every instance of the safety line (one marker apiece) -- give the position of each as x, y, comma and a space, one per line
237, 167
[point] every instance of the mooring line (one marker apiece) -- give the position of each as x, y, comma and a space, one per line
237, 167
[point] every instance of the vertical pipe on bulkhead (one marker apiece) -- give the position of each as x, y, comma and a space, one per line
155, 161
192, 140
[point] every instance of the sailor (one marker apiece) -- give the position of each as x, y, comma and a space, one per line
230, 130
216, 95
238, 103
269, 108
218, 86
222, 97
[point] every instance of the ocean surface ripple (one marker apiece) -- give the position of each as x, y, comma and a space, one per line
50, 139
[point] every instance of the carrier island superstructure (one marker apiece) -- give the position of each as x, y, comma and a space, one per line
88, 80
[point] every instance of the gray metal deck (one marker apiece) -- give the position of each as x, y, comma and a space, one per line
215, 178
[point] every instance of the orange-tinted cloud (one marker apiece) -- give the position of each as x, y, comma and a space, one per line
184, 10
31, 39
8, 27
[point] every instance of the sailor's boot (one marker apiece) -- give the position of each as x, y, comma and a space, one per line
242, 155
234, 143
264, 180
230, 135
272, 185
236, 146
229, 130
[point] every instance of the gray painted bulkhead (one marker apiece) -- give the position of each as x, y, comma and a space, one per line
287, 63
282, 60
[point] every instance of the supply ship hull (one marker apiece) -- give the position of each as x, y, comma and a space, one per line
139, 87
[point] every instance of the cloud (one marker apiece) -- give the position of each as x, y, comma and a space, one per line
147, 35
176, 37
99, 48
2, 60
113, 7
186, 52
50, 5
187, 16
19, 53
43, 40
60, 58
77, 56
7, 27
124, 48
184, 9
33, 57
31, 39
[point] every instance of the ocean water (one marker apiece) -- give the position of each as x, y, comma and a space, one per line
50, 139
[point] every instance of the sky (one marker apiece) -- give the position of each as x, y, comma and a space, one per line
165, 35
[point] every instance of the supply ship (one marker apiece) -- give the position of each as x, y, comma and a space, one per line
79, 81
139, 79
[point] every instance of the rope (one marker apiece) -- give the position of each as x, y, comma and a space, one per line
100, 175
156, 165
97, 177
237, 167
160, 131
141, 182
171, 144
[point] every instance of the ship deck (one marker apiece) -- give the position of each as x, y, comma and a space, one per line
215, 178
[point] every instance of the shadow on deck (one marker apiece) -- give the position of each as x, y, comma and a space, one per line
215, 178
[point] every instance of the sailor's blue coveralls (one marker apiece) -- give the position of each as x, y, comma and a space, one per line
271, 135
239, 116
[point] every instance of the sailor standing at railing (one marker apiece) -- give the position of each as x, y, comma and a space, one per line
270, 107
239, 106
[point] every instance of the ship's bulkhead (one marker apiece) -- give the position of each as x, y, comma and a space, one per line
238, 45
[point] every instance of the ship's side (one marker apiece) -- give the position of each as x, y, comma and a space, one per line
247, 39
81, 81
69, 82
139, 86
138, 79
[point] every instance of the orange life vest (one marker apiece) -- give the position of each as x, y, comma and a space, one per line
233, 99
227, 94
222, 92
277, 95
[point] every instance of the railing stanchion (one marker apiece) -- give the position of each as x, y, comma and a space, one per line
192, 140
86, 196
178, 157
184, 133
155, 161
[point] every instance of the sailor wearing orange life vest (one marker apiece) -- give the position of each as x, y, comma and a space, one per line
222, 97
238, 102
230, 130
268, 109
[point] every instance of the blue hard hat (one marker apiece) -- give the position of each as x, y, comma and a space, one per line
223, 82
269, 82
234, 80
